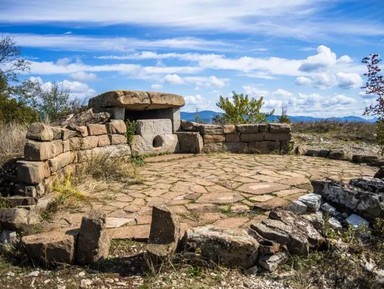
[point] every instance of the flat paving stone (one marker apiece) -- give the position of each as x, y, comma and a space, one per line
197, 186
262, 188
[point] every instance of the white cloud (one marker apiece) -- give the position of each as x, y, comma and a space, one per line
302, 80
83, 76
173, 79
323, 59
301, 19
348, 80
78, 90
156, 86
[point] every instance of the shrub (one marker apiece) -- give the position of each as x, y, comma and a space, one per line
242, 109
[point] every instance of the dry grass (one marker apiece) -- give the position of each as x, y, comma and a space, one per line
12, 140
107, 167
345, 131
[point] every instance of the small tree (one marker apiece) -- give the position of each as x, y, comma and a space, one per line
375, 85
284, 117
242, 109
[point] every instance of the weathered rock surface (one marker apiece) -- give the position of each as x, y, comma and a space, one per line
297, 207
312, 201
228, 247
93, 242
164, 234
190, 142
82, 119
40, 132
364, 197
51, 247
136, 100
290, 230
379, 174
272, 262
17, 218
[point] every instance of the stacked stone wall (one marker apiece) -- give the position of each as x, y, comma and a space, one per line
50, 151
245, 138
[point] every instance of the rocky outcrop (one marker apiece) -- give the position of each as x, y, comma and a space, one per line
228, 247
363, 197
289, 230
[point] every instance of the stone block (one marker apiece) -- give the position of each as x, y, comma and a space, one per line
190, 142
89, 142
30, 172
40, 132
96, 129
357, 222
16, 201
55, 247
17, 218
103, 140
237, 147
66, 146
317, 153
190, 126
61, 161
153, 127
251, 137
329, 209
41, 151
29, 190
67, 134
213, 138
83, 130
116, 139
229, 128
211, 129
233, 137
93, 241
164, 234
279, 128
297, 207
336, 154
228, 247
116, 127
264, 147
277, 136
154, 145
57, 132
248, 128
313, 201
75, 143
263, 127
366, 159
213, 147
272, 262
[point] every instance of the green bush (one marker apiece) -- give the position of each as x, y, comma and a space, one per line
242, 109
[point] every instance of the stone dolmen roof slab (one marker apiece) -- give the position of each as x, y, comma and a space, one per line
136, 100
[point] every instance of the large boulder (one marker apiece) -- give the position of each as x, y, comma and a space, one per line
228, 247
93, 242
136, 100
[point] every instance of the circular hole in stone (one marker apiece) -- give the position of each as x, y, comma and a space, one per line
157, 142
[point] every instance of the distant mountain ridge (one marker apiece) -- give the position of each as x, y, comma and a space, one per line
207, 116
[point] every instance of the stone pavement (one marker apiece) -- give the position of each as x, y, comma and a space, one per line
226, 190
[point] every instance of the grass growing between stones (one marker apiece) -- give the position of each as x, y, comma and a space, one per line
349, 261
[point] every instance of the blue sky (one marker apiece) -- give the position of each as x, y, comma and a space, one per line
303, 54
